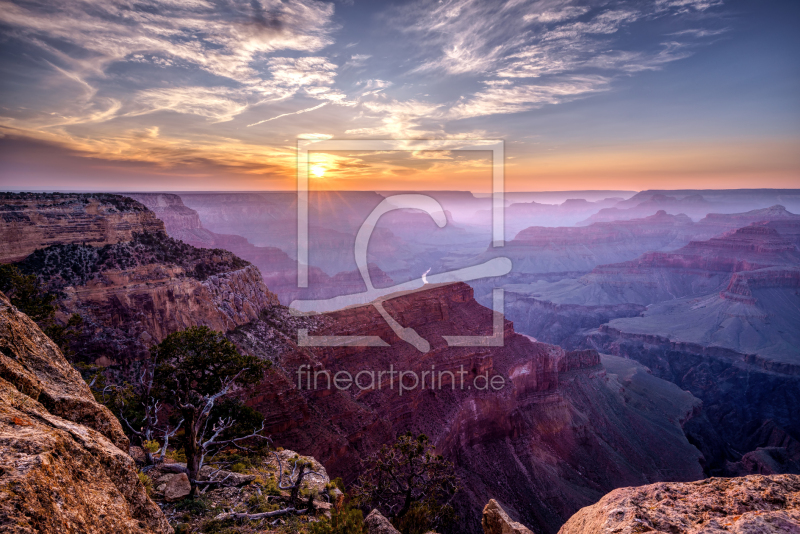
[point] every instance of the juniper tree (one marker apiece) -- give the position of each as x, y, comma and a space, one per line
409, 483
197, 371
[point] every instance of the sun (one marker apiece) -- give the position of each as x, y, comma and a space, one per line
318, 171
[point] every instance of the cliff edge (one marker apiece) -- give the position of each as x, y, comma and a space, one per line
62, 465
753, 504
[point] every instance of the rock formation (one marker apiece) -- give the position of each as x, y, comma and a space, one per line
377, 524
35, 220
62, 465
496, 521
133, 291
558, 434
753, 504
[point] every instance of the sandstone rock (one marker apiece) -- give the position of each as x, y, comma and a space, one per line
496, 521
57, 475
377, 524
177, 487
753, 504
35, 220
33, 364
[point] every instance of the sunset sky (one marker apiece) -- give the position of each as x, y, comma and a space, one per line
213, 95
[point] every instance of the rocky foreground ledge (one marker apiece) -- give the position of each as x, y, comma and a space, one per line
63, 461
747, 505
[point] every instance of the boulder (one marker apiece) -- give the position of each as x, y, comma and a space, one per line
496, 521
745, 505
62, 465
377, 524
177, 488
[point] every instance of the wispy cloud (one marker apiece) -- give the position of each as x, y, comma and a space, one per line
510, 98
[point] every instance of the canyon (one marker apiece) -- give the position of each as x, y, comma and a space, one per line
634, 351
565, 428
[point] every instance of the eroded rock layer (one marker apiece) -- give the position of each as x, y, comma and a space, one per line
557, 434
35, 220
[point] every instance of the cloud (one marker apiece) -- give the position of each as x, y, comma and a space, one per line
399, 118
501, 99
222, 38
217, 103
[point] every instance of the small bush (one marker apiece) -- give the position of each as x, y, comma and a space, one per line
177, 456
269, 486
344, 520
151, 446
146, 482
239, 467
336, 483
193, 506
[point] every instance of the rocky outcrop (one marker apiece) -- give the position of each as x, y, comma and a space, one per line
33, 364
377, 524
753, 504
61, 467
579, 249
719, 223
495, 520
545, 442
134, 293
36, 220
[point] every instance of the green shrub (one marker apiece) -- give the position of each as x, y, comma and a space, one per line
346, 520
177, 456
193, 506
146, 482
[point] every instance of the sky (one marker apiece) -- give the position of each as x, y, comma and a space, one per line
213, 95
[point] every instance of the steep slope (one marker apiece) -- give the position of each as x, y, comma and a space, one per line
63, 468
136, 287
559, 433
754, 504
33, 220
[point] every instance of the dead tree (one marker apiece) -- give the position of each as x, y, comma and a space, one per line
151, 428
295, 479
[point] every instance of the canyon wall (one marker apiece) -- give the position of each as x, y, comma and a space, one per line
36, 220
560, 432
108, 260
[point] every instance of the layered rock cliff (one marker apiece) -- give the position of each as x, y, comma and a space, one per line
559, 432
133, 294
36, 220
754, 504
62, 465
109, 261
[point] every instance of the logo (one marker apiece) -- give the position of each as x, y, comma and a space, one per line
494, 267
